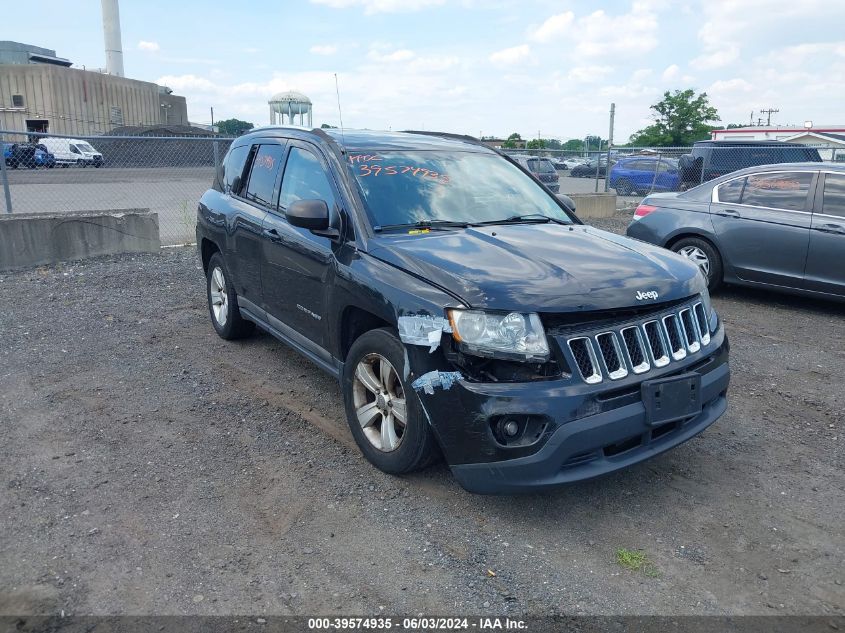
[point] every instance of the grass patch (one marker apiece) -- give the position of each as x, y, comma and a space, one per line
636, 560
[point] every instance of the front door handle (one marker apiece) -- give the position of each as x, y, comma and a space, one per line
728, 213
831, 228
272, 235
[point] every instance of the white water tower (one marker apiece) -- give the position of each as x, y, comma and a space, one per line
290, 104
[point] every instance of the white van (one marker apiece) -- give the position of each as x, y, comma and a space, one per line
71, 151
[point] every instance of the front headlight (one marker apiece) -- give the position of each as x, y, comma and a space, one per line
514, 335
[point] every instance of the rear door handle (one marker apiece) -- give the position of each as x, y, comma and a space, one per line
729, 213
831, 228
272, 235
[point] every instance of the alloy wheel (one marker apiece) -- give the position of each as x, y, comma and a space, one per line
695, 254
379, 401
219, 297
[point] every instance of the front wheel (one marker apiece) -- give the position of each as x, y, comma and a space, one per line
705, 256
223, 302
383, 411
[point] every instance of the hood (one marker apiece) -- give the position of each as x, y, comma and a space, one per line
542, 267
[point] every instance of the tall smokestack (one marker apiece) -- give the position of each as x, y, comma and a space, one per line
111, 34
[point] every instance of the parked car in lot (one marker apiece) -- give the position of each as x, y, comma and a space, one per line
588, 169
542, 169
43, 157
464, 310
711, 159
69, 151
27, 155
777, 226
569, 163
642, 174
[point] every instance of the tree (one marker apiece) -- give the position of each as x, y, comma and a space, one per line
574, 145
326, 126
233, 127
536, 143
681, 118
511, 142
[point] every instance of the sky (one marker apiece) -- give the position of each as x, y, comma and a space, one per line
478, 67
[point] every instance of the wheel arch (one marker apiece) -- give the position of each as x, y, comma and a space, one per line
354, 322
207, 249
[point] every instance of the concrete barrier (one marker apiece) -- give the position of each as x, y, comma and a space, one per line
594, 205
35, 239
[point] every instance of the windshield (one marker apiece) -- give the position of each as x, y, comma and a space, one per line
85, 147
429, 186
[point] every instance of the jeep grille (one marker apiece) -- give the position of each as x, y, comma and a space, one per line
638, 347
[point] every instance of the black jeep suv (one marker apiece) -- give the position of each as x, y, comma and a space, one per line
463, 307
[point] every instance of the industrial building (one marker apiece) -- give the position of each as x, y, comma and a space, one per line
41, 92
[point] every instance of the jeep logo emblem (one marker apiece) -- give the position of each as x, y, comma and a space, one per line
651, 294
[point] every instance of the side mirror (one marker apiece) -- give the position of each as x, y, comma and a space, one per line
309, 214
236, 185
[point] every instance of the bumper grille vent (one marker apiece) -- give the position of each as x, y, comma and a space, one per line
637, 348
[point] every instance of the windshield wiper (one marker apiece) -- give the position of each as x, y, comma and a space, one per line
538, 218
422, 224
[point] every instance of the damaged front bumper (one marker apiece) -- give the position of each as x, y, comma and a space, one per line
567, 430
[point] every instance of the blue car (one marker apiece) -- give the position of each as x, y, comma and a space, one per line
644, 174
27, 155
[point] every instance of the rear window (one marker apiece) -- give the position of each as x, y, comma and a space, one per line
834, 195
233, 166
541, 165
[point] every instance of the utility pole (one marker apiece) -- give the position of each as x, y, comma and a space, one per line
769, 112
609, 145
212, 116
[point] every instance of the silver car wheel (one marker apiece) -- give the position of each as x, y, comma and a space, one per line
218, 296
379, 401
695, 254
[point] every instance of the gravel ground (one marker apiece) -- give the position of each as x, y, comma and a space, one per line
149, 467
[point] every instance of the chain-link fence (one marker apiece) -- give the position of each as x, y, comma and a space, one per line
633, 172
168, 175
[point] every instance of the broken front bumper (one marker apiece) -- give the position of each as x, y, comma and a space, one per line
586, 430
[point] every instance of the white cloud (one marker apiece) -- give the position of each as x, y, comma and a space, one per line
381, 6
511, 56
323, 49
641, 74
554, 27
671, 73
251, 50
400, 55
588, 74
187, 83
151, 47
716, 58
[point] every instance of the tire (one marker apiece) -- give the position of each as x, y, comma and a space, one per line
412, 445
223, 302
694, 248
624, 187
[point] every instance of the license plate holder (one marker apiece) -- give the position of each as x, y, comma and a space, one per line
671, 399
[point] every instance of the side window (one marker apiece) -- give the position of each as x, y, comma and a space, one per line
75, 149
781, 191
305, 179
833, 202
731, 191
234, 166
262, 176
